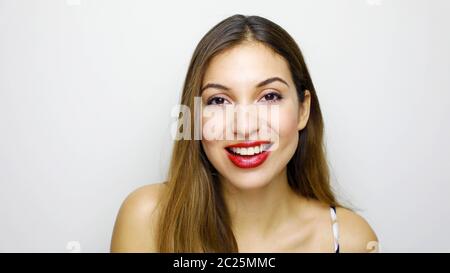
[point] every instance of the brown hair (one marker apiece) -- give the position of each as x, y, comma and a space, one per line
193, 215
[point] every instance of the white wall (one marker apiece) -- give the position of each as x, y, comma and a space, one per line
86, 89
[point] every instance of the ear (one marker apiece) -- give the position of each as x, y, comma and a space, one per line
303, 111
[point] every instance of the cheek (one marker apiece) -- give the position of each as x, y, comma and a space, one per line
287, 128
208, 147
288, 122
213, 123
213, 128
215, 154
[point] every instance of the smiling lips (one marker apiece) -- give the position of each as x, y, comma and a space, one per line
248, 154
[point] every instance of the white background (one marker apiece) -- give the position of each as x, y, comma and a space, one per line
87, 88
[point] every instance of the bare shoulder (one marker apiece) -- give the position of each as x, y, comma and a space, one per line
134, 228
355, 233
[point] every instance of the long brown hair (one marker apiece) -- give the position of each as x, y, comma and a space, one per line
193, 216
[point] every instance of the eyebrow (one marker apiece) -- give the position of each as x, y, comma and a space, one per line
263, 83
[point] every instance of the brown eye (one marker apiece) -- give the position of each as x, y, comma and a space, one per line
216, 101
272, 97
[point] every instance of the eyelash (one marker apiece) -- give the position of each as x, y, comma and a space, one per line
209, 102
278, 97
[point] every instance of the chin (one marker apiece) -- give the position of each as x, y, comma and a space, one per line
248, 179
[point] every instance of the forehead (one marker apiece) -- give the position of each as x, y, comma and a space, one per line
246, 64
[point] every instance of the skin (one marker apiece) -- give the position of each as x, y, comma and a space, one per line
267, 215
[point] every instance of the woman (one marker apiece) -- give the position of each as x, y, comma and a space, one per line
247, 193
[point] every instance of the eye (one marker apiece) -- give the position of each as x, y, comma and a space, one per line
271, 97
216, 101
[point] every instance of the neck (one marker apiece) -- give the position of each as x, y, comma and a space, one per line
257, 213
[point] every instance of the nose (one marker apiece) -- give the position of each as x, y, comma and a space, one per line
245, 122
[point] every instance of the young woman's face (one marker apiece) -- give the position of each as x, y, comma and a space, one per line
251, 147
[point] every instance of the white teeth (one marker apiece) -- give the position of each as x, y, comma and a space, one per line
265, 147
251, 150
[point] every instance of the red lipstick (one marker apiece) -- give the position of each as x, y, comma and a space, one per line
249, 154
